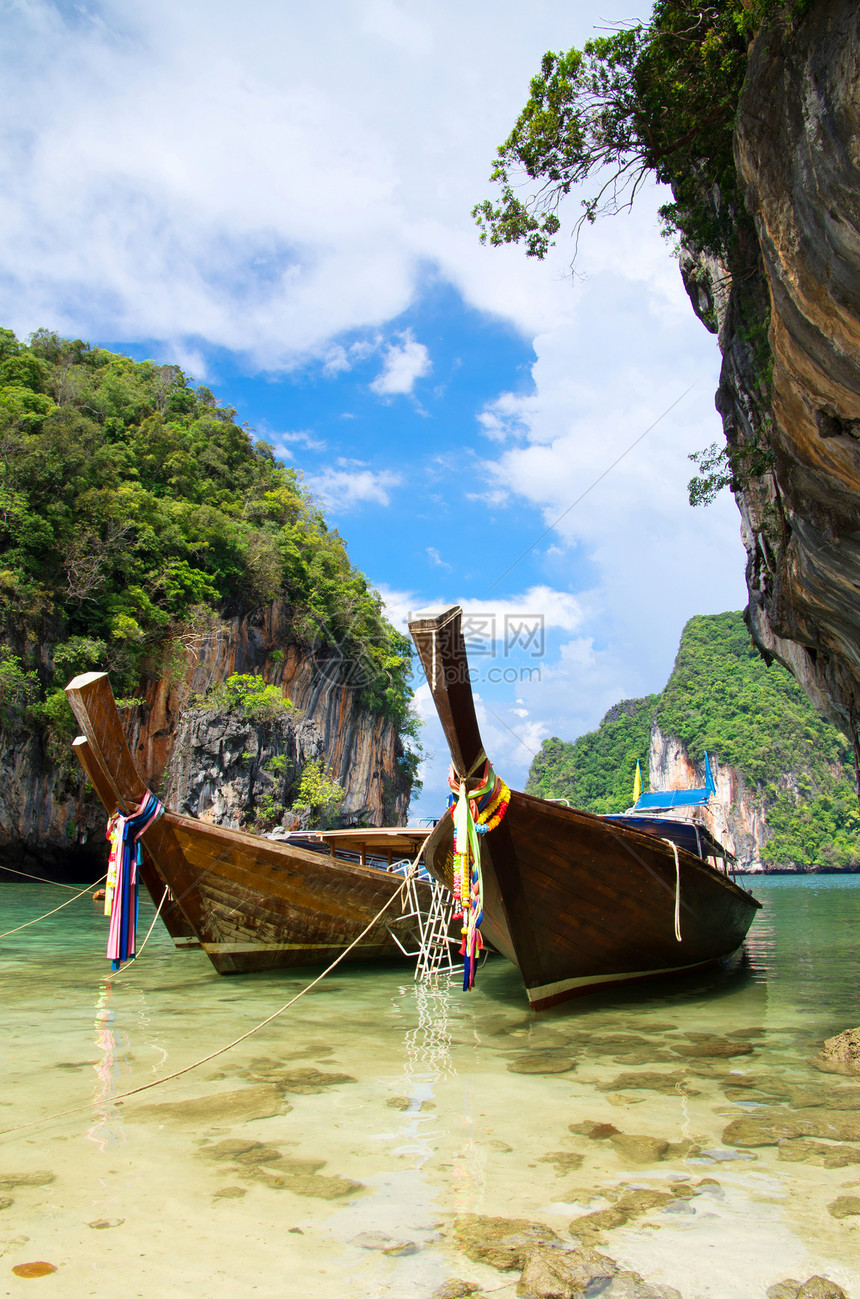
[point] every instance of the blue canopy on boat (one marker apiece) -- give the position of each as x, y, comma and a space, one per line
664, 800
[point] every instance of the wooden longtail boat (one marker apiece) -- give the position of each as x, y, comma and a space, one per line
577, 901
252, 903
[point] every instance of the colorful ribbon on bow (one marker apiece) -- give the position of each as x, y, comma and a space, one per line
472, 812
121, 888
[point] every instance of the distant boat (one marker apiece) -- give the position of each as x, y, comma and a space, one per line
254, 903
577, 901
648, 816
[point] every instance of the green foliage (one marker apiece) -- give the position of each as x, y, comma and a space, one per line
596, 773
656, 99
248, 695
728, 466
318, 793
18, 687
135, 511
722, 698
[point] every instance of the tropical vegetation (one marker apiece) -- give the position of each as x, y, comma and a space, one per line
723, 699
656, 99
135, 511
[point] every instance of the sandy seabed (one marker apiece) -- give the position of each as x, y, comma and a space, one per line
333, 1153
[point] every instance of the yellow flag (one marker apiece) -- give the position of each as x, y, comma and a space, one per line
637, 783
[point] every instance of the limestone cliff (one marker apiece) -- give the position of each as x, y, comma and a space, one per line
735, 814
215, 765
797, 150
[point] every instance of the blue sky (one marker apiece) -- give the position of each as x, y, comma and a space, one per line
278, 200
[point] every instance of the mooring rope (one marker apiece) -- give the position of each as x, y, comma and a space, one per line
213, 1055
674, 848
68, 901
40, 879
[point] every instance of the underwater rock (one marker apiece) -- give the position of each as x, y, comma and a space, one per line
541, 1062
402, 1250
743, 1082
6, 1201
230, 1193
650, 1080
767, 1129
34, 1269
311, 1184
799, 1096
562, 1273
500, 1145
263, 1154
615, 1043
102, 1224
821, 1287
822, 1153
845, 1206
261, 1102
10, 1181
817, 1287
307, 1082
241, 1151
770, 1126
293, 1166
503, 1243
632, 1204
593, 1130
639, 1149
229, 1148
717, 1047
641, 1056
565, 1161
456, 1288
840, 1054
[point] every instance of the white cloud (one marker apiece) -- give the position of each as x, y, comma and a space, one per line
339, 359
198, 173
200, 177
435, 558
344, 490
558, 610
404, 364
285, 442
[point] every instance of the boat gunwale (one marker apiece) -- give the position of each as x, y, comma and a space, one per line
274, 848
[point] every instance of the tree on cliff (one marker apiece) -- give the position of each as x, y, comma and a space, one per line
656, 99
134, 511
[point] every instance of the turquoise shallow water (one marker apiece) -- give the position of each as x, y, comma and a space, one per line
381, 1110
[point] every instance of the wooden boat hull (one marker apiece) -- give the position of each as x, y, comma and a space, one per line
250, 902
575, 901
576, 905
262, 905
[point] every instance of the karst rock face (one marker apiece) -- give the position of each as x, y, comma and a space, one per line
214, 765
797, 148
735, 814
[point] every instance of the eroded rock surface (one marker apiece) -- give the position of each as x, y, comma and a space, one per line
798, 279
840, 1054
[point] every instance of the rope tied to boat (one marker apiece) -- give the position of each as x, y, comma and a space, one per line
213, 1055
674, 848
122, 886
474, 814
